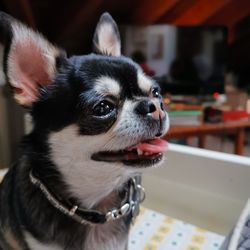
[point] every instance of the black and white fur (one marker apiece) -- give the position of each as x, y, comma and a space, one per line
62, 95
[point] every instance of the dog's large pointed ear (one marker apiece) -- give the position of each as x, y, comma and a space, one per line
107, 38
29, 61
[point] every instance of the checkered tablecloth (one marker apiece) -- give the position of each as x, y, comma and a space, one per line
155, 231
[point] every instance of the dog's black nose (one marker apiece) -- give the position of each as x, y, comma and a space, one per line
145, 107
151, 108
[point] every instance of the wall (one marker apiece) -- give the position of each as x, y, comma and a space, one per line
11, 123
157, 42
4, 138
4, 132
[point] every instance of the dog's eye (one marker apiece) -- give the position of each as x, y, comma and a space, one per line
103, 108
155, 92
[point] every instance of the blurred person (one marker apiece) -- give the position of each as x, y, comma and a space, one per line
237, 82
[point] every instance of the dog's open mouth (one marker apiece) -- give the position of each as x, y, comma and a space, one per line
146, 153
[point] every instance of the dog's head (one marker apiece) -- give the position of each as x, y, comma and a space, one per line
100, 105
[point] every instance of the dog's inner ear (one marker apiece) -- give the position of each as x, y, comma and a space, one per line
107, 38
31, 63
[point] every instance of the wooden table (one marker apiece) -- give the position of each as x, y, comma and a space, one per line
236, 128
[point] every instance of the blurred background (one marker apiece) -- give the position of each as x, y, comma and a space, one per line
197, 50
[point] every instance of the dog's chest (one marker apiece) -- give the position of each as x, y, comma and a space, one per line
107, 237
111, 236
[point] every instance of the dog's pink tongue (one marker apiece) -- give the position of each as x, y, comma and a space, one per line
154, 146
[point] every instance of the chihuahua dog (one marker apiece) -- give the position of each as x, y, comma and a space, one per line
98, 122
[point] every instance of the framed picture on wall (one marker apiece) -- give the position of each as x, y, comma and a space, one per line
156, 46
